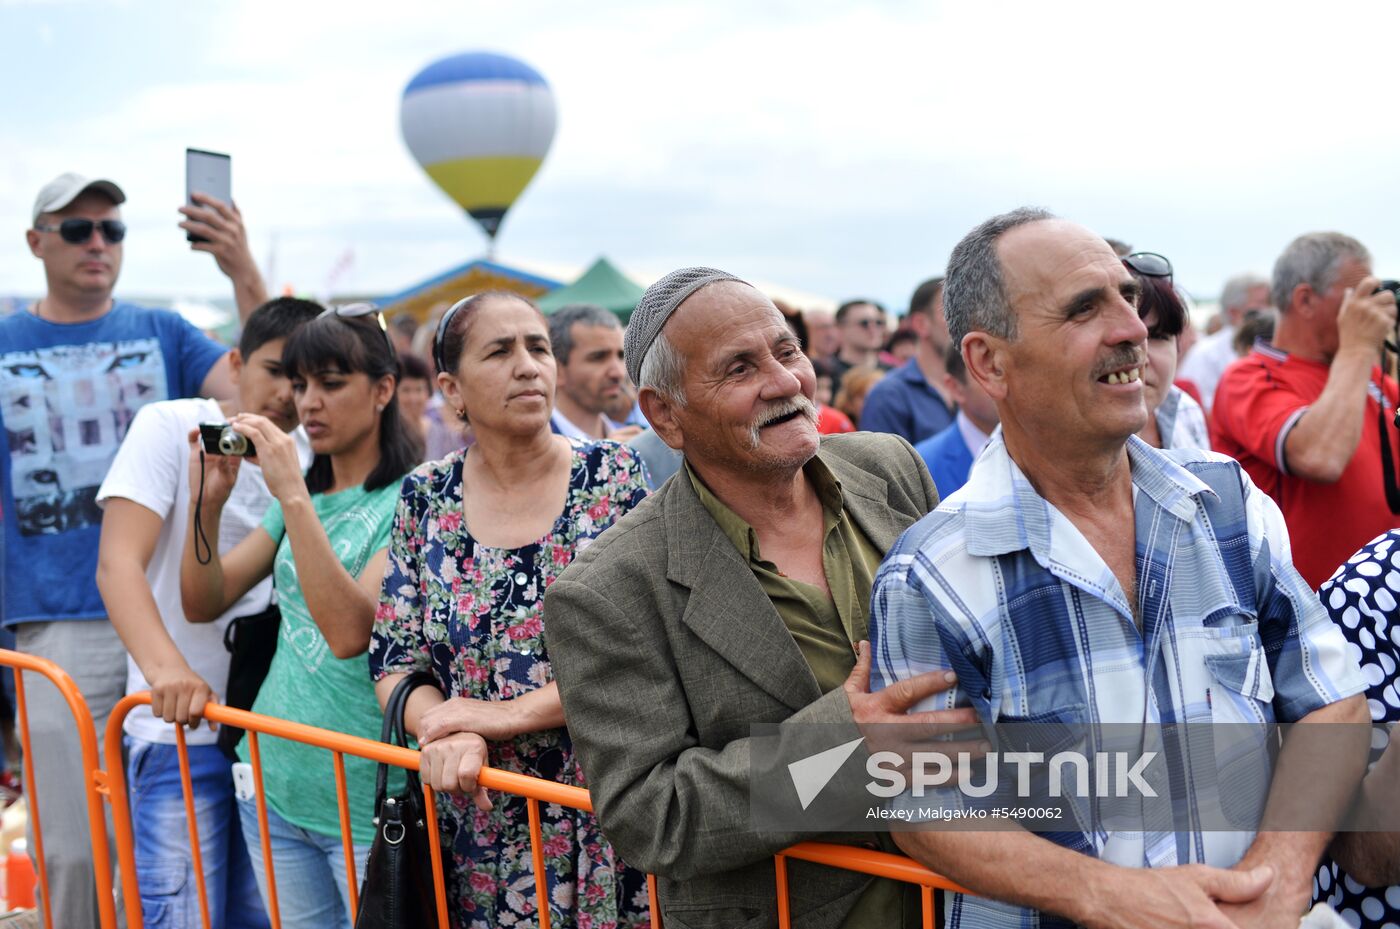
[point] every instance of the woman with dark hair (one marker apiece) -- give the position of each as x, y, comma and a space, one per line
415, 390
324, 541
1174, 419
477, 538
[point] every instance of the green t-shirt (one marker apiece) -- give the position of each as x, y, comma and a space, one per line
308, 684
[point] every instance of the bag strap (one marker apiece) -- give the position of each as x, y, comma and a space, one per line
393, 732
1392, 485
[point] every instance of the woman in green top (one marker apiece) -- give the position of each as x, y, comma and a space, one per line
324, 540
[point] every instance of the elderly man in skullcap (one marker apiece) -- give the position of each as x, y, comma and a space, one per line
736, 595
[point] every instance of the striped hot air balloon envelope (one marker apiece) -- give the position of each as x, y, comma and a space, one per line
480, 124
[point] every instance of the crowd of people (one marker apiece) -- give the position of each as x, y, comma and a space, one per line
615, 550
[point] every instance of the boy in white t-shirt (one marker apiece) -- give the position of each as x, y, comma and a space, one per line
146, 498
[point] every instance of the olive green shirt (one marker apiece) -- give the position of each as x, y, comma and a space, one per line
826, 630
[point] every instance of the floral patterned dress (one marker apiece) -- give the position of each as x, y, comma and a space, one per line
473, 616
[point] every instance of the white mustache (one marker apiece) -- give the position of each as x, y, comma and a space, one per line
797, 404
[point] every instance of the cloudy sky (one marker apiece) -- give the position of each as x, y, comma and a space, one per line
841, 148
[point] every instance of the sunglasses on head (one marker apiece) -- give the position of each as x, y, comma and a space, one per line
356, 310
78, 231
1149, 264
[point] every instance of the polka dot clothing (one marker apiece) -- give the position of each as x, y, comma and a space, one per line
1362, 597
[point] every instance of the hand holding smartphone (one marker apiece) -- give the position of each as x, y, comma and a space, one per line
208, 173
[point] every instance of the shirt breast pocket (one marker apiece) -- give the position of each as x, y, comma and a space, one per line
1232, 739
1225, 676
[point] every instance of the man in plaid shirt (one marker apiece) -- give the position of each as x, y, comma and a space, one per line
1086, 578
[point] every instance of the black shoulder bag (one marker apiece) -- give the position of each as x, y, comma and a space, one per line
251, 642
398, 888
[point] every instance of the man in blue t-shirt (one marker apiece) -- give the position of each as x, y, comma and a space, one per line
908, 401
74, 370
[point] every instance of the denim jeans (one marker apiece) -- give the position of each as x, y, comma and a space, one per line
164, 866
309, 867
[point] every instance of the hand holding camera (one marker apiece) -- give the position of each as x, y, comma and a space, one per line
212, 472
1366, 317
275, 452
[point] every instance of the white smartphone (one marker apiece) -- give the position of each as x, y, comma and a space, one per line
208, 173
243, 787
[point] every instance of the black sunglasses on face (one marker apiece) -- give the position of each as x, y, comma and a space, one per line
1149, 264
78, 231
355, 310
872, 323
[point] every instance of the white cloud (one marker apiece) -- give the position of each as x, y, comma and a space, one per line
838, 147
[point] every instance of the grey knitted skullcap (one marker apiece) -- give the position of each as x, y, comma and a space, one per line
656, 306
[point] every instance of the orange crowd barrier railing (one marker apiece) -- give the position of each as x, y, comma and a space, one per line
256, 725
534, 790
864, 861
96, 785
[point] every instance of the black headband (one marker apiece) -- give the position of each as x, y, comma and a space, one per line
442, 333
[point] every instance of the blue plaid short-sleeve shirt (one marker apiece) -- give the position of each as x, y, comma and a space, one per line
999, 586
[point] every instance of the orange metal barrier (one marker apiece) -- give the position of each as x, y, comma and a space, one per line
864, 861
535, 790
337, 743
96, 781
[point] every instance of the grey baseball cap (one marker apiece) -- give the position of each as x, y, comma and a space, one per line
656, 306
66, 188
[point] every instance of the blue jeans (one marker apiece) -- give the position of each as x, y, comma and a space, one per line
164, 866
310, 870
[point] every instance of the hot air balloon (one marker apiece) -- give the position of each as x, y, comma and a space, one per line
480, 124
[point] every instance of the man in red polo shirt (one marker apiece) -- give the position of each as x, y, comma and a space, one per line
1303, 414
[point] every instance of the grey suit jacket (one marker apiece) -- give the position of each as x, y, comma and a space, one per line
666, 650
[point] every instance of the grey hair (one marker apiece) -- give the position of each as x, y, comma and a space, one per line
1235, 293
974, 293
1120, 248
663, 370
1313, 259
561, 326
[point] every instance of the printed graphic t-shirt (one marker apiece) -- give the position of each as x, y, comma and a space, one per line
68, 392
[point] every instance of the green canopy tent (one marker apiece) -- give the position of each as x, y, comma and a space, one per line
601, 284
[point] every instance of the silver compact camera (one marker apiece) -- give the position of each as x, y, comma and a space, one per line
220, 439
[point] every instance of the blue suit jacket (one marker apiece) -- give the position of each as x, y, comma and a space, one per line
948, 459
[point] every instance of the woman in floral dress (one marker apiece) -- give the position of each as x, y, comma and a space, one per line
477, 539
